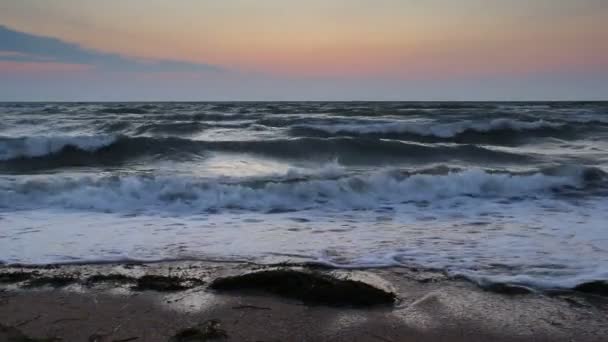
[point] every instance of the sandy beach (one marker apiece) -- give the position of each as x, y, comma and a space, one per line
176, 301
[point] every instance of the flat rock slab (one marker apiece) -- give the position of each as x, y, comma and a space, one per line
309, 287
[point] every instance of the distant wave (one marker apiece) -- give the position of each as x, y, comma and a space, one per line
165, 127
162, 193
437, 130
178, 128
92, 149
127, 109
31, 147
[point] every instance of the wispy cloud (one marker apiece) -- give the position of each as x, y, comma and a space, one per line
19, 46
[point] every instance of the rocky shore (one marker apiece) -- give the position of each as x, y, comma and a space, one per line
215, 301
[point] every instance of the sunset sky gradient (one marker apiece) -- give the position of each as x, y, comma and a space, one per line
303, 50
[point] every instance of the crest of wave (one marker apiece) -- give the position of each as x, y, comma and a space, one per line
192, 194
27, 147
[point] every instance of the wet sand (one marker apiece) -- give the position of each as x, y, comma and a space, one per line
94, 303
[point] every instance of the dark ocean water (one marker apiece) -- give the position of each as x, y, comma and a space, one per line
492, 191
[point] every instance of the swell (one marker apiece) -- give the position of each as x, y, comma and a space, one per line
362, 191
497, 131
67, 151
41, 146
128, 109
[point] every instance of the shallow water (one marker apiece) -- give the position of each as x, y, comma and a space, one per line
493, 191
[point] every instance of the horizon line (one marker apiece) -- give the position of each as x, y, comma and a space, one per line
312, 100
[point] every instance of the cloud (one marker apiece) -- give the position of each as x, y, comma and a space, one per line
25, 47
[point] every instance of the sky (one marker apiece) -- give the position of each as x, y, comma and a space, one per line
140, 50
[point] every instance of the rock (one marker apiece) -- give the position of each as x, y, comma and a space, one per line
165, 283
12, 334
307, 286
14, 277
110, 278
508, 289
208, 331
54, 281
598, 287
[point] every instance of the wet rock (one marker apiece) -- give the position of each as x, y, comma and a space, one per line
508, 289
14, 277
208, 331
598, 287
309, 287
110, 278
165, 283
53, 281
12, 334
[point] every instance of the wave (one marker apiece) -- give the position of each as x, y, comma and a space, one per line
32, 147
114, 126
126, 109
196, 195
180, 128
434, 130
165, 128
95, 149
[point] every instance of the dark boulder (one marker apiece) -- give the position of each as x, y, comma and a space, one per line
309, 287
598, 287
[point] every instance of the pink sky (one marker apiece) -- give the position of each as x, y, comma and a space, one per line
357, 40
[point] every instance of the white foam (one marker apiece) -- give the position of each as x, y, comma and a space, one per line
545, 242
331, 169
45, 145
136, 193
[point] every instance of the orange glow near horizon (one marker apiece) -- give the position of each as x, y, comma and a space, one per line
362, 38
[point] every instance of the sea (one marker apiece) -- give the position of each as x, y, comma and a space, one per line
512, 192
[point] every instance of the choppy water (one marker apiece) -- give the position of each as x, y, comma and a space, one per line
492, 191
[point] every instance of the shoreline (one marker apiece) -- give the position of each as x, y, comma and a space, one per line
590, 287
159, 301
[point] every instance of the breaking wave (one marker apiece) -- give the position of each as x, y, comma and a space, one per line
192, 194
